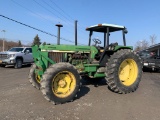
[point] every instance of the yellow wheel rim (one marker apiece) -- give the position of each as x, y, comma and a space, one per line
128, 72
38, 78
63, 84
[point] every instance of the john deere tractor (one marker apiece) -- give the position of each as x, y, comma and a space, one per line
58, 69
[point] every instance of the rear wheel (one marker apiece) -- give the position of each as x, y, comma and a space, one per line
34, 79
60, 83
124, 71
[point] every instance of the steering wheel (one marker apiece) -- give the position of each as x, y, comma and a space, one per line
97, 41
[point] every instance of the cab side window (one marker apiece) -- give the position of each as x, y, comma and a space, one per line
30, 50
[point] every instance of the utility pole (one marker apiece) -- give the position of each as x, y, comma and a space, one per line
3, 38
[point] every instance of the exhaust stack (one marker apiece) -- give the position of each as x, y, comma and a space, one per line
58, 33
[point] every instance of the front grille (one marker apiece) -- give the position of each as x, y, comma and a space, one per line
3, 56
56, 56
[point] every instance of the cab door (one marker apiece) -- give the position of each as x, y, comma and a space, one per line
28, 55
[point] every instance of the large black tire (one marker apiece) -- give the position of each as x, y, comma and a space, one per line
60, 83
124, 71
33, 78
18, 63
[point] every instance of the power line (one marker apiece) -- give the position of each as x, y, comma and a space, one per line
67, 30
47, 9
81, 28
29, 10
57, 11
28, 26
36, 28
61, 10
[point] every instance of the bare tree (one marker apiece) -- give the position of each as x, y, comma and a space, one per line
9, 44
153, 39
141, 45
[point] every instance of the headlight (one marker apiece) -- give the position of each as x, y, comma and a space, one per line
11, 55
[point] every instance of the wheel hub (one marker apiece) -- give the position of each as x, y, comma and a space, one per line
128, 72
62, 83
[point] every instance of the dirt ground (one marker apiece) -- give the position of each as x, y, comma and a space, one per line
19, 100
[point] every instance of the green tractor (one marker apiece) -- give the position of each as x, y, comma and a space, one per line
58, 69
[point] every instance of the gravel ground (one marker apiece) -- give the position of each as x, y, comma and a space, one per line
21, 101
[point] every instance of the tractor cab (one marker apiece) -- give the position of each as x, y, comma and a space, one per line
106, 29
108, 48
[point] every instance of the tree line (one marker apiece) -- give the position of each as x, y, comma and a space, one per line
10, 44
143, 44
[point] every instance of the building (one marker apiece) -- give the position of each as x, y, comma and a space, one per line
155, 48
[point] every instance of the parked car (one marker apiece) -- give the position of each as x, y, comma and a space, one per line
16, 56
150, 60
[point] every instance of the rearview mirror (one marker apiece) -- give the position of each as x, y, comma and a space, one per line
27, 51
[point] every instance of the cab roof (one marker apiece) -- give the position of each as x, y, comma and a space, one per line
103, 27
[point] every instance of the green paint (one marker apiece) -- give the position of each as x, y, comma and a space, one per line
99, 75
90, 67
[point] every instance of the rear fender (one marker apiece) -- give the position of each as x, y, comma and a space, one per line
107, 53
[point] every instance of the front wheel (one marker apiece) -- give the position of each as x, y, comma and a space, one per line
124, 71
18, 63
34, 78
60, 83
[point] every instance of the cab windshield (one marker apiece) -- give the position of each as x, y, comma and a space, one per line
16, 49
